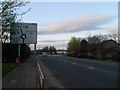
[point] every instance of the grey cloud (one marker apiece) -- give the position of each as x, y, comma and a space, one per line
80, 24
57, 45
50, 41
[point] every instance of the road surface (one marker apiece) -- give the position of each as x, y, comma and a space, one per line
82, 73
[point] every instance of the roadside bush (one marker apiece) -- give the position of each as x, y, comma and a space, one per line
10, 52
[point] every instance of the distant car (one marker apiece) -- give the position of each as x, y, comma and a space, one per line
44, 54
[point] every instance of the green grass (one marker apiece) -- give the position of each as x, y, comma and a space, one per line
7, 67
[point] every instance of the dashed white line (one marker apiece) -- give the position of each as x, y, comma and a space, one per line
91, 68
73, 63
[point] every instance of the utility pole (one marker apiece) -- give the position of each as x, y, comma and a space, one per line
118, 34
63, 47
118, 22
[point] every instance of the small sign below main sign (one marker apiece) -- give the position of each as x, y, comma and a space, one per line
24, 33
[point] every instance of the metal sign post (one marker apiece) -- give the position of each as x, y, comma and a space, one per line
19, 51
35, 47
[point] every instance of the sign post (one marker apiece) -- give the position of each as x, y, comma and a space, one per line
34, 46
19, 51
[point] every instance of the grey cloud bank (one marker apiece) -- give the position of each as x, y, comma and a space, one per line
83, 23
47, 41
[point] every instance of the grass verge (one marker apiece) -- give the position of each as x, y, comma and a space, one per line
7, 67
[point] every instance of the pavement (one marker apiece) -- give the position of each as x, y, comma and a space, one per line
81, 73
23, 76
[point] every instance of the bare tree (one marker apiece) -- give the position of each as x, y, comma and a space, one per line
83, 48
96, 38
9, 16
113, 35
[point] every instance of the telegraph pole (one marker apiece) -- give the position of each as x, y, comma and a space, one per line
118, 22
118, 34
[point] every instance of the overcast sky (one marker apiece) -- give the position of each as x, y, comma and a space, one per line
59, 21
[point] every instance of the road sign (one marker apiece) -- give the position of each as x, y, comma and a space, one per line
24, 33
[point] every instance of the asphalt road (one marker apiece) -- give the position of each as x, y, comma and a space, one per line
82, 73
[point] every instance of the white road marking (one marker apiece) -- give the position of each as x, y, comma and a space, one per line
73, 63
91, 67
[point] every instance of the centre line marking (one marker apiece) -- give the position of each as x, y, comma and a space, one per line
91, 68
